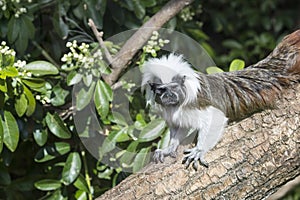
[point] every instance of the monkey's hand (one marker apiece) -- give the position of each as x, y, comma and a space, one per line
193, 156
160, 154
176, 137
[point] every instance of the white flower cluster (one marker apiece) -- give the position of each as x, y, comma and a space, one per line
43, 99
80, 56
20, 11
6, 50
16, 9
154, 44
20, 63
186, 14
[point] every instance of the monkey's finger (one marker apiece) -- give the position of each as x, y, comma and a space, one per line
195, 164
161, 158
186, 151
189, 161
173, 154
203, 162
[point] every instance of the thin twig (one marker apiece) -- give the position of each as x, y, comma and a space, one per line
99, 36
45, 54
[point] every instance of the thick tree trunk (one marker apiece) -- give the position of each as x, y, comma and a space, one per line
255, 157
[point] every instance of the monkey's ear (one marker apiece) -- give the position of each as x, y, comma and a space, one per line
179, 79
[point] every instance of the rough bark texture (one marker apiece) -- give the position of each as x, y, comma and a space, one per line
255, 157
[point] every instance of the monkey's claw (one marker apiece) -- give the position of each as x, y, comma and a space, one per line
193, 156
160, 154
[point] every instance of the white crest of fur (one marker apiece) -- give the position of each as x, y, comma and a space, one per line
167, 67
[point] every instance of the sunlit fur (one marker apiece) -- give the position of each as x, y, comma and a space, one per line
184, 113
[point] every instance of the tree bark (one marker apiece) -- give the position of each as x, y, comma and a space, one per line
255, 157
138, 39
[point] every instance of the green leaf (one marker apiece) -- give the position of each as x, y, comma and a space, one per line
148, 3
81, 184
34, 83
198, 34
236, 65
62, 28
122, 136
83, 97
14, 26
73, 78
127, 158
119, 119
102, 96
139, 9
10, 71
58, 194
10, 131
40, 136
57, 126
141, 159
52, 151
31, 101
232, 44
152, 131
213, 70
41, 68
95, 10
1, 136
60, 96
21, 105
3, 85
71, 169
106, 174
47, 184
165, 140
88, 79
81, 195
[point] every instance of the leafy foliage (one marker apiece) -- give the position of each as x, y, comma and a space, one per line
41, 154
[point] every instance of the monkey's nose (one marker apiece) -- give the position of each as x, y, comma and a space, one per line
160, 91
170, 94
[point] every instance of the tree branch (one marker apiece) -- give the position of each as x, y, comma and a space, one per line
99, 36
137, 40
255, 157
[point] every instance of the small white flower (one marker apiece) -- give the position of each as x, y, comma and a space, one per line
75, 55
23, 10
69, 44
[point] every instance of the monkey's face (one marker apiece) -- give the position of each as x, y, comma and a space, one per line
169, 94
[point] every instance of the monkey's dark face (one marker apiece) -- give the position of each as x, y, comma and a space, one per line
169, 94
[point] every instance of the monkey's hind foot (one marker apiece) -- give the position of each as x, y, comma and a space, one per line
160, 154
193, 156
